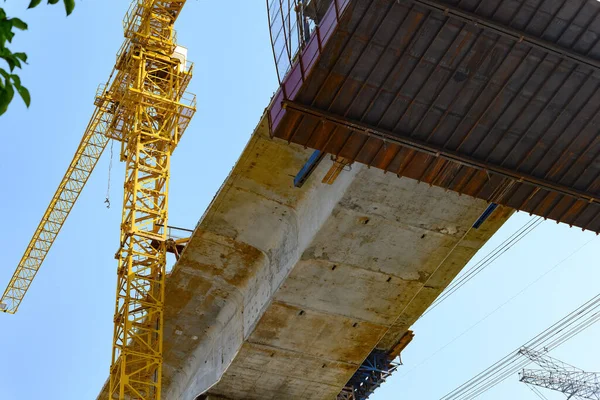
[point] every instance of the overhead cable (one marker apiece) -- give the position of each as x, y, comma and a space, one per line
492, 256
523, 290
566, 328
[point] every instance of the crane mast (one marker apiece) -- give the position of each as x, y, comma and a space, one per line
145, 107
154, 119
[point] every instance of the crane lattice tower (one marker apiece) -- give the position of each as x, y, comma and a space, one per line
145, 107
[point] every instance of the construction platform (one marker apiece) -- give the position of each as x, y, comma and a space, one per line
494, 99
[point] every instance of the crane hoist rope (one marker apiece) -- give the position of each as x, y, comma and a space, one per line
145, 107
110, 164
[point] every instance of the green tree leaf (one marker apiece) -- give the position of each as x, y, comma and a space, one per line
19, 24
15, 79
6, 96
11, 92
34, 3
69, 6
24, 95
9, 83
21, 56
11, 62
15, 61
3, 100
5, 32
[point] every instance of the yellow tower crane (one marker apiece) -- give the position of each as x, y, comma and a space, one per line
145, 107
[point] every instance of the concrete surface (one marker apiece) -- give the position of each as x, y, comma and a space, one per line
282, 292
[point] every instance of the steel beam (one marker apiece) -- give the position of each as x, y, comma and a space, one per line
308, 168
511, 33
485, 215
405, 140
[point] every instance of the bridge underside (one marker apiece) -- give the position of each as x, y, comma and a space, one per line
361, 281
495, 99
282, 292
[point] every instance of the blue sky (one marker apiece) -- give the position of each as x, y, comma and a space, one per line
58, 345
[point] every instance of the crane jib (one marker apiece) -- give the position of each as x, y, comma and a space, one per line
86, 157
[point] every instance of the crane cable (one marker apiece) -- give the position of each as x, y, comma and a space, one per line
492, 256
107, 200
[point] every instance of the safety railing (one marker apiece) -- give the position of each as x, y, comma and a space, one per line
295, 49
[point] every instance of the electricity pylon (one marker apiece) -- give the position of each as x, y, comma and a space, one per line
556, 375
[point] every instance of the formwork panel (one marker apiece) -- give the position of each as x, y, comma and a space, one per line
516, 92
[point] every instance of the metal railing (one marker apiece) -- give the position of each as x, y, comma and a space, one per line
291, 24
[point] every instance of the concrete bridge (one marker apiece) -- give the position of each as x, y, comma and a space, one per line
288, 292
282, 292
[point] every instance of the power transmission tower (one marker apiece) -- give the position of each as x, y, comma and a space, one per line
556, 375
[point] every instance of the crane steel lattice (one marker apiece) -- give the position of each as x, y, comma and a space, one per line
89, 151
143, 106
559, 376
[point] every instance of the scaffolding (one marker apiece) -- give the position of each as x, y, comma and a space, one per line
370, 375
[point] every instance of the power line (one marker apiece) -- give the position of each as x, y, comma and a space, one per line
500, 306
559, 376
558, 333
537, 392
486, 261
